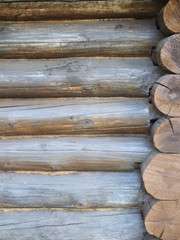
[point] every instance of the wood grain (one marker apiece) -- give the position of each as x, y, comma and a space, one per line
77, 77
162, 219
42, 10
123, 38
73, 153
168, 19
166, 135
74, 116
65, 224
166, 95
167, 54
70, 190
164, 169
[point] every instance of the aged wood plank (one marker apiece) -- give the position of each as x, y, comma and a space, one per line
162, 219
42, 10
73, 153
65, 224
168, 19
123, 38
70, 190
164, 169
167, 54
166, 95
77, 77
74, 116
166, 135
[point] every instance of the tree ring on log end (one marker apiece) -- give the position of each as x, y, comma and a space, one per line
162, 219
163, 169
166, 95
167, 54
166, 135
168, 19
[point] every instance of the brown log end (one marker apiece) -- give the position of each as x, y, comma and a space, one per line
162, 219
168, 19
167, 54
163, 169
165, 134
166, 95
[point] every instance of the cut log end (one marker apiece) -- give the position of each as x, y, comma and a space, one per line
167, 54
162, 219
164, 169
168, 19
166, 135
166, 95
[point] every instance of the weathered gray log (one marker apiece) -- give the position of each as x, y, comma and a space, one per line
100, 153
125, 38
77, 77
71, 190
56, 116
69, 9
63, 224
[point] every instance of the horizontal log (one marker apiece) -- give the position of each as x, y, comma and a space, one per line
164, 169
150, 237
166, 135
77, 77
168, 18
69, 9
59, 224
74, 153
70, 190
74, 116
125, 38
167, 54
166, 95
162, 219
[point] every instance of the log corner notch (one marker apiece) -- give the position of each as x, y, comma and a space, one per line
168, 20
162, 219
167, 54
163, 169
166, 95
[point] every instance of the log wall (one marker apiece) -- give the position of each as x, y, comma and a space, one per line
75, 117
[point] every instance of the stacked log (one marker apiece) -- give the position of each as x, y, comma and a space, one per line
161, 169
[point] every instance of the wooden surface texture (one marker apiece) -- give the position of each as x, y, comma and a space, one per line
122, 38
